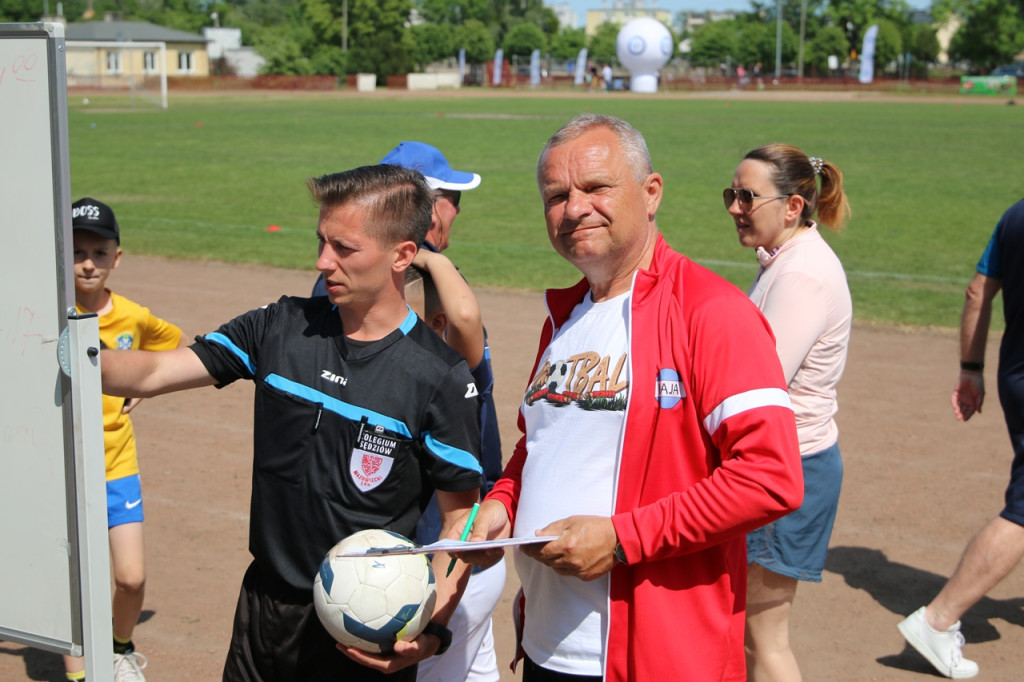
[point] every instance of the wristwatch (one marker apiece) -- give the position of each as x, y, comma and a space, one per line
619, 553
442, 633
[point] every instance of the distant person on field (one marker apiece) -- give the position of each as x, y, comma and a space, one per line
471, 654
125, 325
934, 630
657, 432
360, 414
606, 74
801, 288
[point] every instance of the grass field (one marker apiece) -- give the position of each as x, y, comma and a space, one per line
205, 178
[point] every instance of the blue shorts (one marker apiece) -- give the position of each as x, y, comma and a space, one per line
124, 501
797, 544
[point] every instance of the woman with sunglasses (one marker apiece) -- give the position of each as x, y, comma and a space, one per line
801, 289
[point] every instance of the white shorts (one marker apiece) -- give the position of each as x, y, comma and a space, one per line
471, 655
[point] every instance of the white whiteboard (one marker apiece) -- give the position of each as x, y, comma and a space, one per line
40, 512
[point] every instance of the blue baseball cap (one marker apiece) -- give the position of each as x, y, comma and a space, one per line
421, 157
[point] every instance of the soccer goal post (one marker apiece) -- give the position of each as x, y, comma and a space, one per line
138, 68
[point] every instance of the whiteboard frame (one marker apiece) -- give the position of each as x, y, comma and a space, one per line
84, 482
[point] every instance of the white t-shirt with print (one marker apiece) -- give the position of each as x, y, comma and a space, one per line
575, 410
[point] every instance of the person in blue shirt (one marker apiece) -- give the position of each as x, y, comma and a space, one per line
934, 630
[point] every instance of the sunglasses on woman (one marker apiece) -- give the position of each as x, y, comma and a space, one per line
746, 197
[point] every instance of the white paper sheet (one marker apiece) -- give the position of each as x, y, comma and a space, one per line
447, 546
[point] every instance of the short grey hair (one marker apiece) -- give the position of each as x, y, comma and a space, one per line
633, 144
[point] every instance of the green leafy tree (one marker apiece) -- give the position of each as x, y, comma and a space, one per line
601, 47
262, 20
429, 43
474, 37
924, 43
454, 12
375, 32
715, 43
568, 43
855, 16
505, 15
523, 39
829, 41
283, 50
888, 45
992, 34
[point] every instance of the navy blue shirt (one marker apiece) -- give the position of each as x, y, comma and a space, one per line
1004, 260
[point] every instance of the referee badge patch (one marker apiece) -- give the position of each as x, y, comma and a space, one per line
371, 459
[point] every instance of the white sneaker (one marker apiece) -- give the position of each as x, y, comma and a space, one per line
128, 667
942, 649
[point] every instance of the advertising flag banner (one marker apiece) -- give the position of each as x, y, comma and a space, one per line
867, 57
581, 67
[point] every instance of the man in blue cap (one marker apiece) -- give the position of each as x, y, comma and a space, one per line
471, 655
448, 185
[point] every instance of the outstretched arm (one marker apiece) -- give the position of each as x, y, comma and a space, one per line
969, 393
134, 373
131, 403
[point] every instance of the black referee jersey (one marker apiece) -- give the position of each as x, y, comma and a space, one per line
347, 435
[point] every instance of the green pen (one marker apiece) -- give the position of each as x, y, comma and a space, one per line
465, 534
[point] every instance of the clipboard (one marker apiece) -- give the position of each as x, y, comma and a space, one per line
446, 546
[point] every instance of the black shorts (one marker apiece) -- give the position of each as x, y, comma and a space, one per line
1011, 395
277, 637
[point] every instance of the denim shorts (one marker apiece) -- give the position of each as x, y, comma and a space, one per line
797, 544
124, 501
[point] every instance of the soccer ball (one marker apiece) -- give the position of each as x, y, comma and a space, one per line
372, 602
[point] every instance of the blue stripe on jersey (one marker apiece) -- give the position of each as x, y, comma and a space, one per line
452, 455
346, 410
409, 322
220, 339
748, 400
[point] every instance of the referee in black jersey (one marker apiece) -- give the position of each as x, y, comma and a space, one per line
360, 413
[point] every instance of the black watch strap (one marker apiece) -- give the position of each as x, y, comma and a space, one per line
619, 553
442, 633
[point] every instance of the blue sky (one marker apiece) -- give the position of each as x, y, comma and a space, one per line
674, 6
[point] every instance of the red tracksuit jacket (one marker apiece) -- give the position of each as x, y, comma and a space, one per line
709, 452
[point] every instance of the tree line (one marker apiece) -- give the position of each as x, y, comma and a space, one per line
399, 36
990, 33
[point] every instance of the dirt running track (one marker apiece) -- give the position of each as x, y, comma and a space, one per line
918, 484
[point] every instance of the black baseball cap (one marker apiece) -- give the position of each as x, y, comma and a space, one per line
95, 216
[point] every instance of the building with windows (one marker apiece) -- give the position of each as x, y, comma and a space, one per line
112, 50
567, 16
226, 44
622, 12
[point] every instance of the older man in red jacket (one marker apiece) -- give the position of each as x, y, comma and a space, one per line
657, 431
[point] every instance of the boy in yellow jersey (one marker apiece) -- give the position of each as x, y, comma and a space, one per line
124, 324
